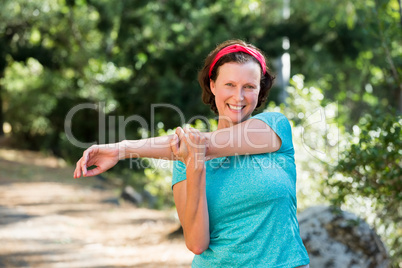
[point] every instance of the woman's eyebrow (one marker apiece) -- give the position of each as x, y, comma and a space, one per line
235, 82
251, 84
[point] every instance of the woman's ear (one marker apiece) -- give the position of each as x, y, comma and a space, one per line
212, 86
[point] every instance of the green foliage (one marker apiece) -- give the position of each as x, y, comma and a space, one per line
351, 50
372, 169
55, 55
130, 54
51, 51
316, 138
360, 172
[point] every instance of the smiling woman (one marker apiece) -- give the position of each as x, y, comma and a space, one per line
246, 53
238, 210
236, 92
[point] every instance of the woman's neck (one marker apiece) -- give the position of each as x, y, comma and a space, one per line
225, 123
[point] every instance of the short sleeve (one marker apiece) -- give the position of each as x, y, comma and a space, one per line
179, 172
281, 126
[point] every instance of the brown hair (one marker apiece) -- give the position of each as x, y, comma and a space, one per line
239, 57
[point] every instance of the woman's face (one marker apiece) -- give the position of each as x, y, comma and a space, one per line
236, 91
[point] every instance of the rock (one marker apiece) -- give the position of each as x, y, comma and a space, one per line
149, 198
131, 195
177, 233
101, 178
339, 239
113, 200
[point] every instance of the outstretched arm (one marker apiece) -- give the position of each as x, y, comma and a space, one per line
252, 136
106, 156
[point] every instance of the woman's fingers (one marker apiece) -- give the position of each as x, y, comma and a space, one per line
92, 156
93, 172
192, 137
77, 172
180, 133
181, 136
189, 143
196, 138
86, 158
184, 136
81, 166
84, 166
174, 144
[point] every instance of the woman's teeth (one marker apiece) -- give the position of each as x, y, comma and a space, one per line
237, 108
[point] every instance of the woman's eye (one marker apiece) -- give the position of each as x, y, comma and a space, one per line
250, 87
229, 84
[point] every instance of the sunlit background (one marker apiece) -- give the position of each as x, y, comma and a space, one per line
338, 67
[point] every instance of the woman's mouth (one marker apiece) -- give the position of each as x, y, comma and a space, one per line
235, 108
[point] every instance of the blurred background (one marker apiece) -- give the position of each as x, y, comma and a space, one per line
338, 67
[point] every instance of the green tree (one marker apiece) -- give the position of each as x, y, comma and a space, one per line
50, 65
372, 171
351, 50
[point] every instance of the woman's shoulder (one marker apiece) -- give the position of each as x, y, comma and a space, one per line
273, 119
272, 115
280, 124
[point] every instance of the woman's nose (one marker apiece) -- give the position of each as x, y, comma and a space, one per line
239, 94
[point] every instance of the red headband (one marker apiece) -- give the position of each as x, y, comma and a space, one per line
239, 48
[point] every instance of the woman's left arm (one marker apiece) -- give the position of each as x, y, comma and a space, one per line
252, 136
190, 195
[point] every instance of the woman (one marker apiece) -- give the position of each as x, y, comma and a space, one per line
234, 188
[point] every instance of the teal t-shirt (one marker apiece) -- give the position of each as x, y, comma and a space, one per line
252, 206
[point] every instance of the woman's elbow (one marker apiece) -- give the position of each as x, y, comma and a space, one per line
197, 249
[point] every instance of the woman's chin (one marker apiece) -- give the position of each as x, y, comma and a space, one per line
235, 118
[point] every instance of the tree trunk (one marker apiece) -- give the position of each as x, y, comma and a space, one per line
1, 112
400, 10
400, 85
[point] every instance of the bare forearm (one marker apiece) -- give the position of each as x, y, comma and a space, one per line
196, 218
157, 147
249, 137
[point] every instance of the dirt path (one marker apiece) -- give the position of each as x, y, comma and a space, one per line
48, 219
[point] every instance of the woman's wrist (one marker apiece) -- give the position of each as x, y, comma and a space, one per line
195, 167
195, 176
122, 147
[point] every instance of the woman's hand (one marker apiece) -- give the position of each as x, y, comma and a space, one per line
101, 156
189, 146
